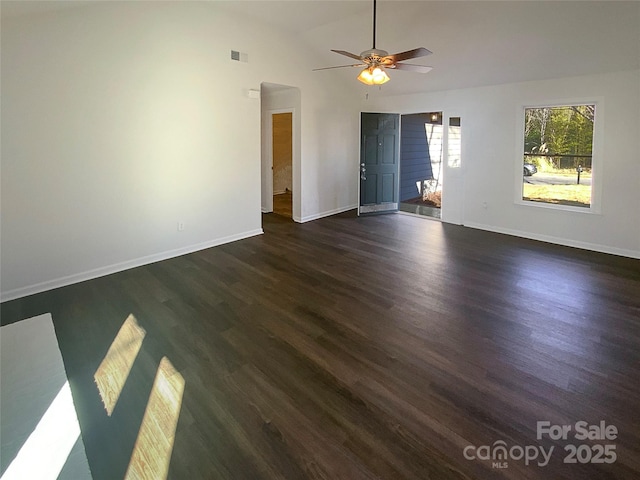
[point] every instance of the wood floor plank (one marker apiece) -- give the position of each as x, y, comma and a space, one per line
376, 347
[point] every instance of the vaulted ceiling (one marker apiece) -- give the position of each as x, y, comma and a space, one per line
474, 43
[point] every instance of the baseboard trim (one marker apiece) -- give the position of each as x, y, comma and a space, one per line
558, 240
328, 213
121, 266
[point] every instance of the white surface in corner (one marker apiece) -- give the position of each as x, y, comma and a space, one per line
39, 427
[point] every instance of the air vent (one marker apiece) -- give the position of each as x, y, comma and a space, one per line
239, 56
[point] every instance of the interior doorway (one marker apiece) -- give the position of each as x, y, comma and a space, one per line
280, 105
282, 165
421, 164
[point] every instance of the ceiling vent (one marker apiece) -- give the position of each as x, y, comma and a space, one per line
239, 56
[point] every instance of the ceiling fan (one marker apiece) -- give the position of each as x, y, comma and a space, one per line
376, 61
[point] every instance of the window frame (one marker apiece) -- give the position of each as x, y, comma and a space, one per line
596, 160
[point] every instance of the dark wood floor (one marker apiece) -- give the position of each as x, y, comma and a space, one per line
351, 348
283, 204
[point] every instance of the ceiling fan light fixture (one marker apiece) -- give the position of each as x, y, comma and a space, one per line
375, 61
373, 76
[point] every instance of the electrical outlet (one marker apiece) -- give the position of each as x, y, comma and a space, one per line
180, 226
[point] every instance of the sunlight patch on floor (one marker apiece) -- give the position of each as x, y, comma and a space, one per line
116, 365
152, 451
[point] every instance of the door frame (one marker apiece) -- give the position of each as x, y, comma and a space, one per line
453, 208
268, 166
397, 186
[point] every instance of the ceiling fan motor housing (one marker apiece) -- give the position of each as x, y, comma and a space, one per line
376, 60
373, 56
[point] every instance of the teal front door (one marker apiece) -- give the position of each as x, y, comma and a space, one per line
379, 162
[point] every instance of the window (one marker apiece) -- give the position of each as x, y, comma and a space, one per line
454, 151
557, 156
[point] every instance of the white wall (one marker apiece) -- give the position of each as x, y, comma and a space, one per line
490, 160
330, 152
121, 119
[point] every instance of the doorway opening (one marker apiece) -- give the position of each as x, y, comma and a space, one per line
379, 162
421, 157
282, 155
280, 105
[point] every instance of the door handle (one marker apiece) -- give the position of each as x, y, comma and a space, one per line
363, 172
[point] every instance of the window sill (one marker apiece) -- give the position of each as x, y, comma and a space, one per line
593, 210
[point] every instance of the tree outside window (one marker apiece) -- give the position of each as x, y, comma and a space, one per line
557, 160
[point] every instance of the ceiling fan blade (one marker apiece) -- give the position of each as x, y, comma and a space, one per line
348, 54
412, 68
409, 54
340, 66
